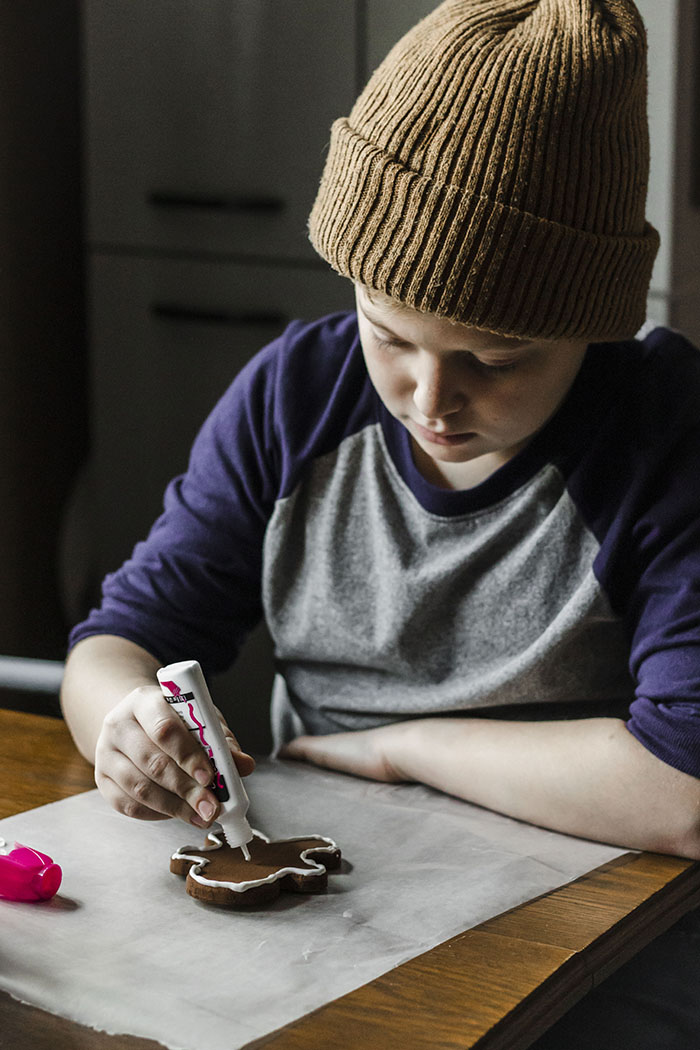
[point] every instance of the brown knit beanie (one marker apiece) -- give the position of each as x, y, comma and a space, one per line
494, 170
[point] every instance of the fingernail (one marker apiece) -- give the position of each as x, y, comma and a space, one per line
202, 776
206, 809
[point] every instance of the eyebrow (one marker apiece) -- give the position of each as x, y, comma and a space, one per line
519, 345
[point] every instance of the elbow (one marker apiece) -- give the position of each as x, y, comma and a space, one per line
688, 843
679, 834
665, 803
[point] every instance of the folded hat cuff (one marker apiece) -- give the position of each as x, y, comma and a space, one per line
471, 259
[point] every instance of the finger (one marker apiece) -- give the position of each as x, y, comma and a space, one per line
131, 760
137, 794
321, 751
114, 795
358, 753
295, 748
177, 750
158, 768
144, 714
245, 763
170, 735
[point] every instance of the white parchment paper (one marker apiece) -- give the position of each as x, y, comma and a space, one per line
123, 948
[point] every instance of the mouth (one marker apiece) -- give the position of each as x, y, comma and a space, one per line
442, 439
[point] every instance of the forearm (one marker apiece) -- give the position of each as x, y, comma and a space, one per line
588, 777
100, 671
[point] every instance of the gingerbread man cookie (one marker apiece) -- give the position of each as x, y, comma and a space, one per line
219, 874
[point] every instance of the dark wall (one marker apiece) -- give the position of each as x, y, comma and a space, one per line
43, 430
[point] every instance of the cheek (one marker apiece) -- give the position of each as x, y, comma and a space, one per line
519, 409
388, 379
531, 404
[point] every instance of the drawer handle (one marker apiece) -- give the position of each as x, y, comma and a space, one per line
211, 202
197, 315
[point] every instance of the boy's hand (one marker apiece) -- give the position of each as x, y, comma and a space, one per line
370, 753
148, 766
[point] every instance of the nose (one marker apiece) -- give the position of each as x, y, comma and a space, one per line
437, 392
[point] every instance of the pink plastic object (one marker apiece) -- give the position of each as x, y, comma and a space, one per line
27, 875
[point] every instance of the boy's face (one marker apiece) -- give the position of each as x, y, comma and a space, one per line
469, 399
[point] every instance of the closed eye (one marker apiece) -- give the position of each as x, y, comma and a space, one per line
391, 344
500, 369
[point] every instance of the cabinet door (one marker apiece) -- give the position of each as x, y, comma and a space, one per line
168, 336
206, 120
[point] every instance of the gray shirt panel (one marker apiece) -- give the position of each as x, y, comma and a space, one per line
380, 610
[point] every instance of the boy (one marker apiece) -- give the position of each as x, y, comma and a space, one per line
469, 513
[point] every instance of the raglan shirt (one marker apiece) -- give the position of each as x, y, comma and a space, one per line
568, 580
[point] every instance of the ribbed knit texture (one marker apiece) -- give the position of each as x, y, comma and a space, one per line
494, 170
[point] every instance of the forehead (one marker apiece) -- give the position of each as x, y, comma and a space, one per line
405, 322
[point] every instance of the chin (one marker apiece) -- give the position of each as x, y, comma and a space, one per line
460, 452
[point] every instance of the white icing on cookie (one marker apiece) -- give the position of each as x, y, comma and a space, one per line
215, 842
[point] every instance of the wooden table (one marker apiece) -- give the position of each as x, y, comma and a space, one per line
496, 987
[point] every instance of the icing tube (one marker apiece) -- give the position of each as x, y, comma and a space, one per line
184, 687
